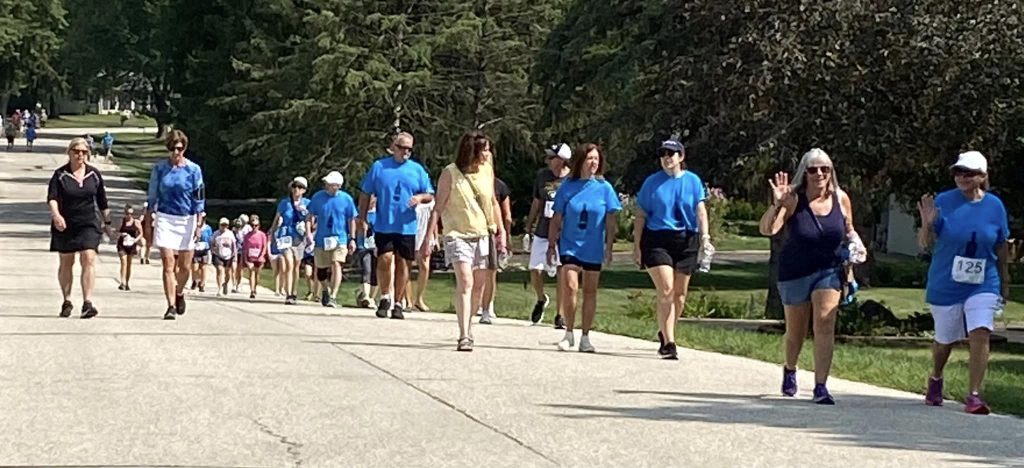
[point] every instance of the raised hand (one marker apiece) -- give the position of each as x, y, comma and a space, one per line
926, 207
780, 187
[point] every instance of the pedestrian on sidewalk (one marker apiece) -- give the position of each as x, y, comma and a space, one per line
254, 247
366, 258
545, 187
818, 217
291, 216
399, 185
201, 257
10, 132
486, 311
242, 229
108, 146
177, 194
148, 217
223, 250
76, 192
331, 225
422, 263
275, 258
670, 228
128, 245
307, 268
469, 210
969, 277
581, 235
30, 136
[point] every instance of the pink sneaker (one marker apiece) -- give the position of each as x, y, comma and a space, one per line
975, 405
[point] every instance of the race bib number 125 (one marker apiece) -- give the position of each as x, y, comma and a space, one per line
968, 270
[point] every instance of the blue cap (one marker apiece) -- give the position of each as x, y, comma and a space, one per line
672, 145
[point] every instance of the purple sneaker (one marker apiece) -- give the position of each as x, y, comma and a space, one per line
975, 405
934, 396
822, 396
789, 387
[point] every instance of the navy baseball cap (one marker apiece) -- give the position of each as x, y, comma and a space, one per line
672, 145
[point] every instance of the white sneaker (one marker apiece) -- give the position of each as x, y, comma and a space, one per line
485, 318
568, 341
585, 346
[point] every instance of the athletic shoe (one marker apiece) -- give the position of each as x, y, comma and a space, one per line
934, 395
332, 304
88, 311
559, 323
193, 286
66, 308
396, 313
975, 405
789, 387
225, 289
671, 352
202, 287
538, 310
568, 341
361, 298
120, 287
465, 345
325, 298
822, 396
585, 346
179, 304
169, 315
383, 307
252, 295
485, 318
127, 288
291, 300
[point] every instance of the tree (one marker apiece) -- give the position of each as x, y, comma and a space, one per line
30, 37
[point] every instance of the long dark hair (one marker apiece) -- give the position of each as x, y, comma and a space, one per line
471, 149
576, 164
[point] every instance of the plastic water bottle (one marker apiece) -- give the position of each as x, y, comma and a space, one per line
706, 254
527, 240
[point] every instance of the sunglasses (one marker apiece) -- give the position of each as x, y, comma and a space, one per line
80, 151
178, 149
958, 172
664, 153
823, 170
298, 187
404, 148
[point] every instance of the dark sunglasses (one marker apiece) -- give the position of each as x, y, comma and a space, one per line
178, 149
298, 187
79, 151
960, 172
664, 153
404, 148
824, 170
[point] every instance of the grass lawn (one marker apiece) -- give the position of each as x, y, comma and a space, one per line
98, 121
903, 367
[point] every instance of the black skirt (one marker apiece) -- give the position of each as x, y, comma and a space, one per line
75, 238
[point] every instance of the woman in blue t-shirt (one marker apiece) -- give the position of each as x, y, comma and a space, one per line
583, 229
287, 242
670, 229
968, 280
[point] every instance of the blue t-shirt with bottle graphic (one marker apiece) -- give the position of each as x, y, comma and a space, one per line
394, 184
332, 216
583, 204
292, 215
670, 203
967, 229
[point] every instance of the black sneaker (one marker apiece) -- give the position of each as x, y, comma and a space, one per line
325, 298
88, 311
671, 353
202, 287
559, 323
179, 304
661, 348
120, 287
127, 288
66, 308
171, 312
383, 307
538, 310
193, 286
397, 313
290, 300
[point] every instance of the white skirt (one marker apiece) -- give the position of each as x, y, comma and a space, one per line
174, 232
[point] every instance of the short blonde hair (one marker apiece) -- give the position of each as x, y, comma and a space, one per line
75, 142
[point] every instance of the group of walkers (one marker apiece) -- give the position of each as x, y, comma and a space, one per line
399, 219
22, 123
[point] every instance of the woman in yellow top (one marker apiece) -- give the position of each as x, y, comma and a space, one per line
468, 209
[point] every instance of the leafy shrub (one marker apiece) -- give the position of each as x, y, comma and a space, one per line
899, 274
872, 318
626, 217
700, 305
744, 210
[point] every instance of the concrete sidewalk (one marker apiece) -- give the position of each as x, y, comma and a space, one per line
259, 384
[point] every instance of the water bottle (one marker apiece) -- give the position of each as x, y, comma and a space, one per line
526, 242
706, 254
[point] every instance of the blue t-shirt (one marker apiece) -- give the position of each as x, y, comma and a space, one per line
394, 185
206, 235
290, 216
332, 216
960, 227
583, 204
281, 232
177, 191
670, 203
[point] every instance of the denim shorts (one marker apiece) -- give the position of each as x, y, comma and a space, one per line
798, 291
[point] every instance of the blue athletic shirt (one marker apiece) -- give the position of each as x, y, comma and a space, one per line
394, 184
670, 203
332, 216
583, 204
177, 190
282, 231
206, 235
958, 223
290, 216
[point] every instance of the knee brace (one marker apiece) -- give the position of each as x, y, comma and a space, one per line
323, 274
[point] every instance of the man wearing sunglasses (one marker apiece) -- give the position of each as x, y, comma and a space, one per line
399, 185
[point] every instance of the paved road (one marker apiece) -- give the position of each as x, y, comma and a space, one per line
258, 384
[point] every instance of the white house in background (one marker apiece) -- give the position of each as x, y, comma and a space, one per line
899, 230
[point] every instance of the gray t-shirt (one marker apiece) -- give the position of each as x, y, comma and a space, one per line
544, 189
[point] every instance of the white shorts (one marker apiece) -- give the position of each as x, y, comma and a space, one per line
538, 254
174, 232
472, 251
954, 322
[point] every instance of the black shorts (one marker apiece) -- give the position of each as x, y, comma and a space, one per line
201, 257
222, 262
570, 260
308, 261
402, 245
677, 249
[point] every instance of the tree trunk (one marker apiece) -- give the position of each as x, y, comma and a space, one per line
5, 99
773, 304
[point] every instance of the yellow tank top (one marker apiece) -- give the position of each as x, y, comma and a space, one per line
468, 216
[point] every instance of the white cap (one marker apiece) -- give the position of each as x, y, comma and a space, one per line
244, 218
334, 178
300, 181
224, 222
561, 150
972, 161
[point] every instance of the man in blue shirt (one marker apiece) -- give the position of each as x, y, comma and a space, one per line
331, 227
399, 185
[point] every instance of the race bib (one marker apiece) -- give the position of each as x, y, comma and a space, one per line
202, 246
224, 252
128, 241
370, 243
254, 253
284, 242
549, 209
330, 243
968, 270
